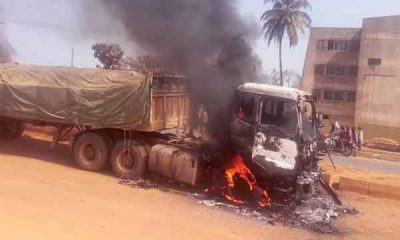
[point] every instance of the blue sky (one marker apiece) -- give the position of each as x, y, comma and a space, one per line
42, 45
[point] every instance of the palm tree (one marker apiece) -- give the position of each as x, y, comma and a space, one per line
286, 16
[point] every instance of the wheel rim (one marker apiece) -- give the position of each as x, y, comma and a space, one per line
88, 153
347, 151
127, 161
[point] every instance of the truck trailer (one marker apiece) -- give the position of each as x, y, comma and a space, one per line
117, 115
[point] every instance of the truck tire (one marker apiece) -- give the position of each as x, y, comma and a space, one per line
129, 159
110, 140
91, 151
11, 129
146, 146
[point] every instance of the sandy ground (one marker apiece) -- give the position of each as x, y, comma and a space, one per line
45, 197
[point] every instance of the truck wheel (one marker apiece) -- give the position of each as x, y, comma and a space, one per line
107, 136
11, 129
146, 146
129, 159
91, 151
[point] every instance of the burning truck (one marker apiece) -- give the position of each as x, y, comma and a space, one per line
275, 129
141, 124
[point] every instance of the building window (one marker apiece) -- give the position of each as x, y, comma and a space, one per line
338, 95
334, 95
374, 61
338, 45
328, 95
330, 70
341, 71
333, 70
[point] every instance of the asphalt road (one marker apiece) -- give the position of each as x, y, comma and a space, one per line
367, 164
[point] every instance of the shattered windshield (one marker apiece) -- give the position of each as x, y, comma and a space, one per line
281, 115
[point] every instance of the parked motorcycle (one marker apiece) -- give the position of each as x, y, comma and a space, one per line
328, 143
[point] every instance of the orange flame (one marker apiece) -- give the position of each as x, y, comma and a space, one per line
238, 168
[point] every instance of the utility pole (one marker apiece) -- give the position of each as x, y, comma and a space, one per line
72, 57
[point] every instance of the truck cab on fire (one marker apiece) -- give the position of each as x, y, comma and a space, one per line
275, 128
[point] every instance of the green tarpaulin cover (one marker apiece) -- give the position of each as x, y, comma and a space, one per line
95, 97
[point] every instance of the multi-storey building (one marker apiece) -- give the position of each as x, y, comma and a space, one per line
355, 74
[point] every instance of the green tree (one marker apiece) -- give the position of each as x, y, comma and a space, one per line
286, 16
110, 55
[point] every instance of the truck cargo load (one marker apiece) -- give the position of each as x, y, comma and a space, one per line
62, 95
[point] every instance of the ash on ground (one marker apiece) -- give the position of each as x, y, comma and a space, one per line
319, 213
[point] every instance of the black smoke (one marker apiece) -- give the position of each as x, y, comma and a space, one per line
206, 40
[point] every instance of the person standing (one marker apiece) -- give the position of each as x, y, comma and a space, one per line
342, 137
348, 133
360, 138
337, 126
354, 140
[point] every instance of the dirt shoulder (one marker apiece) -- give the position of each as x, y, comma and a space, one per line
369, 176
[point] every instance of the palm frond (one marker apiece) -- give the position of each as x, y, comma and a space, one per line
301, 4
277, 5
275, 32
292, 32
268, 27
287, 3
270, 14
271, 1
301, 18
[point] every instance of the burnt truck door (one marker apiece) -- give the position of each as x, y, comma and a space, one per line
243, 125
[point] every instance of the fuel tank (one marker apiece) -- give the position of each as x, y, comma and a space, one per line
175, 163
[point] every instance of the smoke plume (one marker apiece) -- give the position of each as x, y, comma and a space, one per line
206, 40
7, 53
